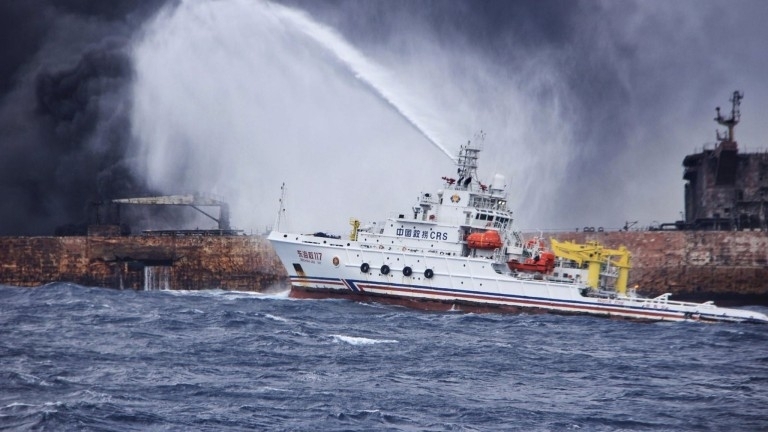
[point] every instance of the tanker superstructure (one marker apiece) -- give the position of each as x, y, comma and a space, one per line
457, 249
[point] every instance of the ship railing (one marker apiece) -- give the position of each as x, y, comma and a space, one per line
518, 239
499, 256
404, 249
663, 301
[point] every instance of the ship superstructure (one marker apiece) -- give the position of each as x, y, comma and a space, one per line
464, 219
457, 249
726, 189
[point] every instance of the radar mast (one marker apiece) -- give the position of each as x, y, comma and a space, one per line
733, 120
467, 161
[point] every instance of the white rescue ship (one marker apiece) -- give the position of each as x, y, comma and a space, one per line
457, 250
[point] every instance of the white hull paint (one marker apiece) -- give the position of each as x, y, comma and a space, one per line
457, 247
462, 280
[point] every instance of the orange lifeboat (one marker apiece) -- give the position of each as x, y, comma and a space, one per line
542, 263
485, 240
537, 259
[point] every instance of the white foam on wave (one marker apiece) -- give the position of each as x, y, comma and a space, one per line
354, 340
276, 318
33, 379
285, 294
29, 405
17, 404
229, 295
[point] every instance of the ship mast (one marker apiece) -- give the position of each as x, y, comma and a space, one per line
467, 161
281, 211
733, 120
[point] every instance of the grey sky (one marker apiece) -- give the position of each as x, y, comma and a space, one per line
589, 107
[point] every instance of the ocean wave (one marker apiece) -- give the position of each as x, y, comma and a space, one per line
154, 361
355, 340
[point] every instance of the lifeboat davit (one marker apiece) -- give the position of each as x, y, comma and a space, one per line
484, 240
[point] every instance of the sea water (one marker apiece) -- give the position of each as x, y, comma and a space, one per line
79, 358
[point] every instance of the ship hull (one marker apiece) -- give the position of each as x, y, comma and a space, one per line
452, 305
419, 298
323, 268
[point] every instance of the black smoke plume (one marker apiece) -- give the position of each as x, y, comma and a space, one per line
63, 109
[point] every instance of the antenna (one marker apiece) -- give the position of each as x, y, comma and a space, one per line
281, 209
479, 138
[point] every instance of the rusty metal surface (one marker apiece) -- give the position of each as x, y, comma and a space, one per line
245, 263
690, 264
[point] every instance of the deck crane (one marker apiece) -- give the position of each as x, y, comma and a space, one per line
595, 256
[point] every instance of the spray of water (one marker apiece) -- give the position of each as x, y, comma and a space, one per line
366, 71
238, 97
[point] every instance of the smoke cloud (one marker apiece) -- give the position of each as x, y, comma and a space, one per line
63, 110
588, 107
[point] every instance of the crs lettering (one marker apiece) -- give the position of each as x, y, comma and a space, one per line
310, 257
423, 234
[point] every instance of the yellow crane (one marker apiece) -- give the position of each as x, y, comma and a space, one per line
594, 255
355, 226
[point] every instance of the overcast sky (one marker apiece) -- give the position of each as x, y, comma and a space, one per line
588, 107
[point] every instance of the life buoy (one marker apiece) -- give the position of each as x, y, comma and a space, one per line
365, 267
407, 271
428, 273
385, 269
